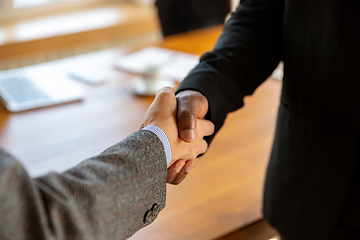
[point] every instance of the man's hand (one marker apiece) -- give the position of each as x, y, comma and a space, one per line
162, 113
192, 106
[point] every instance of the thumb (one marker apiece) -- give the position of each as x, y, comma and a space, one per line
186, 122
191, 106
165, 98
162, 107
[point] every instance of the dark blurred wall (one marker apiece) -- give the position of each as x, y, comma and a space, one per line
178, 16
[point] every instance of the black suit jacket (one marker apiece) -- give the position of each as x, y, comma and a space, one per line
316, 140
178, 16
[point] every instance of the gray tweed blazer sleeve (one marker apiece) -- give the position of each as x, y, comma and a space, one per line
109, 196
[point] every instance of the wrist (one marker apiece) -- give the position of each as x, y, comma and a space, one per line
160, 133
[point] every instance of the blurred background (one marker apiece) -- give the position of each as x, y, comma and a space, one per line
37, 30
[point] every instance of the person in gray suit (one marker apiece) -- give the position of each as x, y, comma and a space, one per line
109, 196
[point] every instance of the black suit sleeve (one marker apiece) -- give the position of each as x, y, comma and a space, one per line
245, 55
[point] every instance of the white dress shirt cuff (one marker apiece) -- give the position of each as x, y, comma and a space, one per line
163, 138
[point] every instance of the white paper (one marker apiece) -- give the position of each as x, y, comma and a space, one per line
173, 64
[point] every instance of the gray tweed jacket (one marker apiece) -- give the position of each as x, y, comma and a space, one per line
109, 196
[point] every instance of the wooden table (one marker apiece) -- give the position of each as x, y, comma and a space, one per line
224, 190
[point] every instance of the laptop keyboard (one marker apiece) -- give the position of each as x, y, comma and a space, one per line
22, 90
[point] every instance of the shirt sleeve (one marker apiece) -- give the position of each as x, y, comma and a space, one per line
163, 138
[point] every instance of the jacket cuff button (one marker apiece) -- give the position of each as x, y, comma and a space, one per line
151, 214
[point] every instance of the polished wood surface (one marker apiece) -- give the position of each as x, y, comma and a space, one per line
221, 194
120, 22
259, 230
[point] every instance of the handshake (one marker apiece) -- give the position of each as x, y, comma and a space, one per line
182, 119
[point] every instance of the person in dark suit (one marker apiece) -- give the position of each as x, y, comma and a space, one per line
178, 16
109, 196
312, 188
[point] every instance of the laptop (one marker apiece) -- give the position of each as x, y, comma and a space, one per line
36, 87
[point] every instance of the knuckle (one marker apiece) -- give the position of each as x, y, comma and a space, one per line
185, 114
166, 96
187, 98
176, 182
204, 146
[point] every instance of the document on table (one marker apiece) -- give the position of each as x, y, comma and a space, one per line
173, 64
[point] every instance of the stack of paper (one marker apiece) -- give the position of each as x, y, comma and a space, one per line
173, 64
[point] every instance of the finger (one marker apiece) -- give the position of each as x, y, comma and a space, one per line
205, 127
183, 173
189, 165
191, 106
203, 147
174, 169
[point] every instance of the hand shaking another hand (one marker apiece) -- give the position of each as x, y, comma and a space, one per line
185, 120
